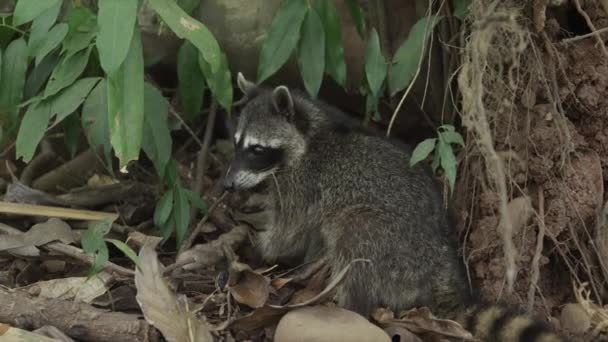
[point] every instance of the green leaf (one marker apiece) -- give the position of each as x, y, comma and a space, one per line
188, 5
71, 134
169, 227
422, 150
14, 66
461, 8
93, 243
335, 65
282, 37
128, 251
171, 173
163, 209
311, 52
436, 160
220, 83
116, 20
32, 129
156, 140
191, 80
40, 75
357, 15
407, 57
182, 215
448, 162
40, 28
95, 117
37, 117
451, 137
66, 72
186, 27
70, 98
196, 200
126, 104
82, 29
447, 127
28, 10
371, 103
53, 39
375, 64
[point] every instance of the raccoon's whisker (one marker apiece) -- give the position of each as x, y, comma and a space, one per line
278, 190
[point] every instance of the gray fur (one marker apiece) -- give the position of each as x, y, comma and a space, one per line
344, 193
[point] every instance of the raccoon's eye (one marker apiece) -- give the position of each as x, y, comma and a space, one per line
257, 149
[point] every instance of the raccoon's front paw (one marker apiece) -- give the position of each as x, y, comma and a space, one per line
251, 208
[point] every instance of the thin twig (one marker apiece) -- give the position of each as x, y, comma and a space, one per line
188, 129
584, 36
591, 26
539, 249
201, 159
199, 227
411, 85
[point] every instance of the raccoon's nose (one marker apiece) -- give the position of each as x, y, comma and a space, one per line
228, 184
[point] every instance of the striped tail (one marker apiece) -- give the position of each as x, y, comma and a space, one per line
494, 322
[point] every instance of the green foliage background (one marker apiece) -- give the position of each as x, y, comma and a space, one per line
82, 69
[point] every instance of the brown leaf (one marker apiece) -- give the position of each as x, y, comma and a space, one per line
422, 321
313, 288
252, 289
42, 233
278, 283
74, 288
161, 307
141, 239
269, 314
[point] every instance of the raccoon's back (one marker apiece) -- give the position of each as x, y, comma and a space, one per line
363, 168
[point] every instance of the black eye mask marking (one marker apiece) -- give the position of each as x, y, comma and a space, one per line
258, 158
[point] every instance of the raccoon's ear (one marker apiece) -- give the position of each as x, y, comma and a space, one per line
282, 100
247, 87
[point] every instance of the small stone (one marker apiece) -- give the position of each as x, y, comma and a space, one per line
327, 324
575, 319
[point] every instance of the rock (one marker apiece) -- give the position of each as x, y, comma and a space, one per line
322, 323
575, 319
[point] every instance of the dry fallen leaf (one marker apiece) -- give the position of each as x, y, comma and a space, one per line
269, 314
161, 307
39, 234
278, 283
96, 181
74, 288
140, 239
422, 321
313, 288
12, 334
321, 323
252, 289
27, 251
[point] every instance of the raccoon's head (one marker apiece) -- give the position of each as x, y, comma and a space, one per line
270, 135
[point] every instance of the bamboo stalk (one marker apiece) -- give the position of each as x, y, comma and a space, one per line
48, 211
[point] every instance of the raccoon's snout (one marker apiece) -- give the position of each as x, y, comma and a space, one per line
237, 178
228, 180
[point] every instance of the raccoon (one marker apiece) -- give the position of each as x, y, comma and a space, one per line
329, 188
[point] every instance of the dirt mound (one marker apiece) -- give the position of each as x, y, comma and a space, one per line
535, 102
